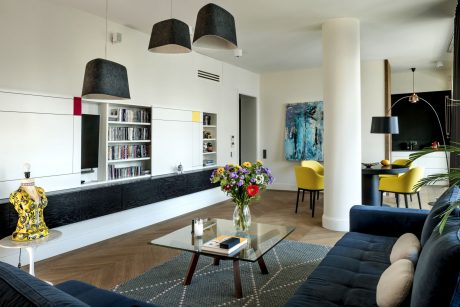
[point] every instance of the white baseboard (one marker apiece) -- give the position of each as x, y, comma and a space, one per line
283, 187
88, 232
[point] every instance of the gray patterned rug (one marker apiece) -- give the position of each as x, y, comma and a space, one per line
289, 264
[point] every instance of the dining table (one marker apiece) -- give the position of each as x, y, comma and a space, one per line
370, 181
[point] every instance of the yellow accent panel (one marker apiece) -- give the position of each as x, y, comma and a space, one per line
402, 184
318, 167
307, 178
31, 224
196, 116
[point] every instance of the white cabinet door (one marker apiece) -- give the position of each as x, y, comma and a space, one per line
46, 141
172, 144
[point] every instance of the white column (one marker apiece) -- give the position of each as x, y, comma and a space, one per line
342, 121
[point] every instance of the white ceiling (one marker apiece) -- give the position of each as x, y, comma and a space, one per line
286, 34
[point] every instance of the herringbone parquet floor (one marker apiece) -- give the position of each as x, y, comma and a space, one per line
119, 259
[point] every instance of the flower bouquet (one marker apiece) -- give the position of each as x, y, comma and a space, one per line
243, 184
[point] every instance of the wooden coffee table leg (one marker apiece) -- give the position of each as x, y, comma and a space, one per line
216, 261
191, 269
263, 267
237, 278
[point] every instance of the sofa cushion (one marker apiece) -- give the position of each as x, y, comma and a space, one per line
395, 283
406, 247
18, 288
349, 273
438, 267
98, 297
450, 195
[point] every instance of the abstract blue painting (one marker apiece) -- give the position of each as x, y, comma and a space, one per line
303, 134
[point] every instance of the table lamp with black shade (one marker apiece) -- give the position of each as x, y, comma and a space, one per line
385, 124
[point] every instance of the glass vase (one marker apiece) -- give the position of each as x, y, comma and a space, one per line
242, 217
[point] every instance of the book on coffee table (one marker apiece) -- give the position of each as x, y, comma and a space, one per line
225, 245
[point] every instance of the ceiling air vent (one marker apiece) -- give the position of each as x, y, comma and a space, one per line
207, 75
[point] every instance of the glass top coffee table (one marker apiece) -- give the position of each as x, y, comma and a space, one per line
261, 239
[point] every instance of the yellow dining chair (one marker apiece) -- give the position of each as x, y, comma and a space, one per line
399, 162
308, 179
403, 184
318, 167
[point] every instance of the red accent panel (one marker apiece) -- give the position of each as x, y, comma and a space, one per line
77, 106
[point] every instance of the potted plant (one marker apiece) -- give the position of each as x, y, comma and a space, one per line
452, 176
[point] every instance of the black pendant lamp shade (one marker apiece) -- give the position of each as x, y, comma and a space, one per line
170, 36
215, 28
385, 124
105, 79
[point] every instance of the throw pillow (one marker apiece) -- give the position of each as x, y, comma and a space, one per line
395, 283
406, 247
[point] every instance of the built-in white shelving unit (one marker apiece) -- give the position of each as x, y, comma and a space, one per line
126, 146
209, 139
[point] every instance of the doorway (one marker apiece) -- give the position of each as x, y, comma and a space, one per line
248, 129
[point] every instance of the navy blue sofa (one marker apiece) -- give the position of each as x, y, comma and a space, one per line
18, 288
349, 273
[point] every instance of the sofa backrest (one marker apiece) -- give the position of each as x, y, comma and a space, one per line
18, 288
436, 279
450, 195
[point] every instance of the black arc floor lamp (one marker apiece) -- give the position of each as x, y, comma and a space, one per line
389, 124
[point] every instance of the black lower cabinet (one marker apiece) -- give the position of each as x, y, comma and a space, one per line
83, 204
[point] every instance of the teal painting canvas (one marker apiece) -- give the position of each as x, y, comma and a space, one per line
303, 135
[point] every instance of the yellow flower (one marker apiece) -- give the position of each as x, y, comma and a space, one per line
237, 166
220, 171
231, 165
247, 164
260, 162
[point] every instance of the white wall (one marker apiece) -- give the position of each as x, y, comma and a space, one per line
280, 88
426, 80
45, 48
372, 104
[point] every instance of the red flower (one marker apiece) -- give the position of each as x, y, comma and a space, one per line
227, 187
252, 190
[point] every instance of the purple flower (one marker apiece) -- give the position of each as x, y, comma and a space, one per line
241, 177
240, 183
233, 175
253, 180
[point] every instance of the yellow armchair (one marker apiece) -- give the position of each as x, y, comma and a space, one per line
318, 167
310, 180
403, 184
403, 162
399, 162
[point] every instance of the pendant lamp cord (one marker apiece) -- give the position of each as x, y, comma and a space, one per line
413, 80
171, 8
106, 26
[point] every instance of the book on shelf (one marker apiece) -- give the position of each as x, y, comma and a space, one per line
116, 172
225, 245
129, 115
128, 133
124, 152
